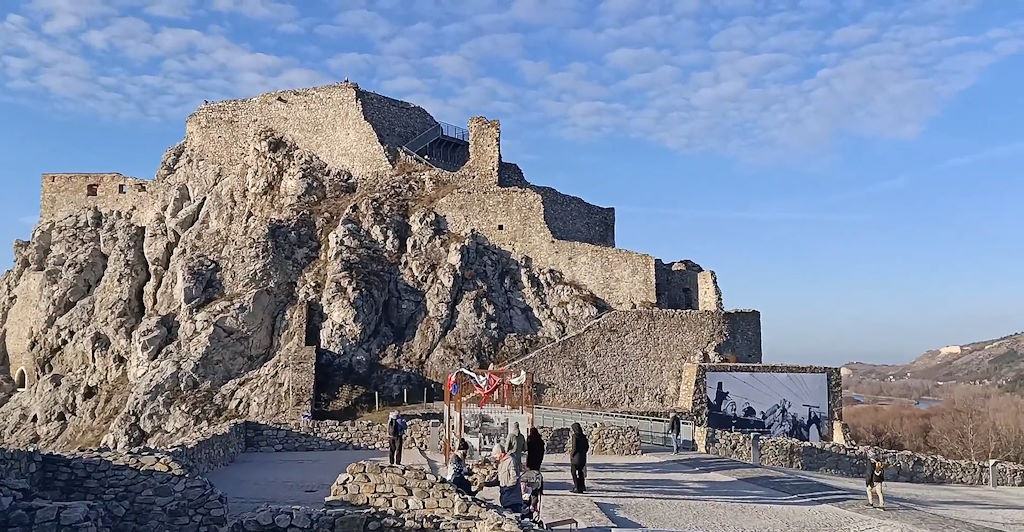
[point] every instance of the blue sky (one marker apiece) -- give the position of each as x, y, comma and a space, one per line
853, 170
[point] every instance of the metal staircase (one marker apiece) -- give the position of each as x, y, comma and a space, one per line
442, 146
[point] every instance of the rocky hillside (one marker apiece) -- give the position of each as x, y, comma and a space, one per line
999, 361
151, 324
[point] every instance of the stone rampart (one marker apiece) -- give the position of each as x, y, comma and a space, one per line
516, 219
633, 360
416, 496
67, 193
852, 461
287, 518
346, 127
329, 435
574, 219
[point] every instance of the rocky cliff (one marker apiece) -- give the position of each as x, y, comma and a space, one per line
141, 325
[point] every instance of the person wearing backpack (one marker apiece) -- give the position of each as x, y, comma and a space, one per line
396, 437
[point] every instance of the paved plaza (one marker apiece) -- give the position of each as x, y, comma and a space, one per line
661, 491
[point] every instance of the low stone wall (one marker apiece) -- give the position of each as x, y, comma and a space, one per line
852, 461
329, 436
420, 499
278, 518
604, 439
211, 450
20, 511
142, 490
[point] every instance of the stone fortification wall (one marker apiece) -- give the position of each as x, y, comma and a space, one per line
419, 498
573, 219
515, 219
329, 435
852, 461
143, 490
66, 193
634, 360
291, 518
342, 124
693, 395
604, 440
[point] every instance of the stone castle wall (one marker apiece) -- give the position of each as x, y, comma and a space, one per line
514, 218
65, 193
634, 360
346, 127
603, 440
852, 461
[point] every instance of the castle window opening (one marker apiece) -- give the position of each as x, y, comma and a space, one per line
21, 380
501, 227
121, 189
92, 190
140, 188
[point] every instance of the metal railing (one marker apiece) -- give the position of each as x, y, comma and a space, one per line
453, 131
653, 430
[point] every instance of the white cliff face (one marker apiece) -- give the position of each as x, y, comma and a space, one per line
145, 326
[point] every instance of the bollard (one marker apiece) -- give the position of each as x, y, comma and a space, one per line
405, 396
424, 396
376, 400
755, 449
993, 473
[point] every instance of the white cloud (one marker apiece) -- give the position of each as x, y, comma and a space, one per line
730, 76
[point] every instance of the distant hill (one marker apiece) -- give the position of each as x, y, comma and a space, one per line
999, 361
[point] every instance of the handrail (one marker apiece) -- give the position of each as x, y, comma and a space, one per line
605, 414
531, 354
421, 140
453, 131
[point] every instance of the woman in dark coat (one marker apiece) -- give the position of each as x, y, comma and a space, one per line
534, 450
578, 447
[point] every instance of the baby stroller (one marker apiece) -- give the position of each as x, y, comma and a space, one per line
532, 483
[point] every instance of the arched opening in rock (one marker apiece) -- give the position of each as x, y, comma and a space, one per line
21, 380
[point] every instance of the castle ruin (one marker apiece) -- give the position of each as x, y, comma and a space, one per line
678, 303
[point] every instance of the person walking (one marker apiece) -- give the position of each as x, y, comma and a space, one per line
534, 450
874, 480
516, 446
396, 437
675, 426
578, 447
510, 493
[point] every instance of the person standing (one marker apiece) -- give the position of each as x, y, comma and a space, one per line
516, 446
510, 493
675, 426
396, 438
534, 450
578, 447
874, 480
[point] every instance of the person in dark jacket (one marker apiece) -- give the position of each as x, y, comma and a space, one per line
578, 447
675, 427
534, 450
874, 480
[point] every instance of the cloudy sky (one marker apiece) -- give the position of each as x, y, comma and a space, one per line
851, 170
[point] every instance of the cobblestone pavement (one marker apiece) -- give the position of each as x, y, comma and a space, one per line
660, 491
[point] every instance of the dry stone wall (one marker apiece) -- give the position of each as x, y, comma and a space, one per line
604, 440
329, 435
418, 497
633, 360
103, 490
852, 461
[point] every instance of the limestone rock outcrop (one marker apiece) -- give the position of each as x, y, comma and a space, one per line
141, 326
